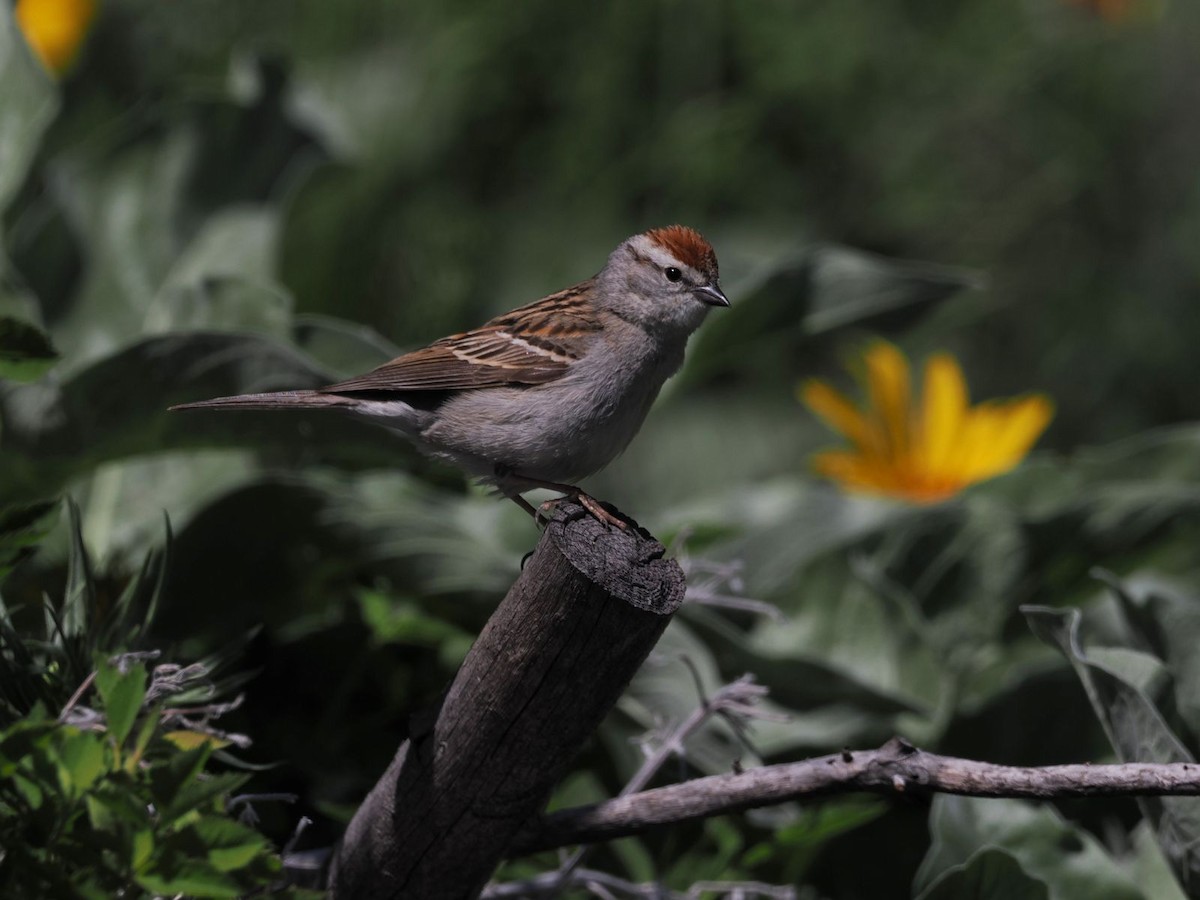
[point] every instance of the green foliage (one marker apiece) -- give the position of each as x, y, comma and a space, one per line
86, 813
242, 197
114, 805
113, 795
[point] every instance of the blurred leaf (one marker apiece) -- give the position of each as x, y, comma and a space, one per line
21, 528
27, 104
393, 620
988, 875
798, 843
823, 289
25, 351
167, 781
190, 740
122, 693
852, 287
395, 516
1119, 493
126, 208
1151, 868
76, 615
1165, 616
81, 757
1135, 727
198, 791
342, 347
663, 693
230, 844
118, 408
224, 278
1067, 860
190, 878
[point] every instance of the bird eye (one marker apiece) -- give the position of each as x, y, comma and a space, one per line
672, 273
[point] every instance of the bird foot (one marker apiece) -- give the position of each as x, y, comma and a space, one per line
590, 504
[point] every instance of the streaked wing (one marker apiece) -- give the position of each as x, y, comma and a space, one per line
531, 345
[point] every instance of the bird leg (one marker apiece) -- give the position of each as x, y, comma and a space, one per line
568, 490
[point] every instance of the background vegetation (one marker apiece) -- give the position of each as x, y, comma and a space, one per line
221, 197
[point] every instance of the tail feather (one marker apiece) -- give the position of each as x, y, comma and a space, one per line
273, 400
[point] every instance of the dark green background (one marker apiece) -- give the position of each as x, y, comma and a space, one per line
237, 196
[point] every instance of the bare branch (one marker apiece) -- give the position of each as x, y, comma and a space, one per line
896, 767
604, 885
737, 702
719, 583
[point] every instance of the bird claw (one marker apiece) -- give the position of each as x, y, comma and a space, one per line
590, 505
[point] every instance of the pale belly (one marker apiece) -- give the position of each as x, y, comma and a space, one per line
560, 432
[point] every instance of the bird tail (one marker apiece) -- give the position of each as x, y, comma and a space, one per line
273, 400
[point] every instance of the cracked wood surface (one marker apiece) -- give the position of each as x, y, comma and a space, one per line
551, 662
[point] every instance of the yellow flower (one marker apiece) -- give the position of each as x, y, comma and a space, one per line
55, 29
922, 451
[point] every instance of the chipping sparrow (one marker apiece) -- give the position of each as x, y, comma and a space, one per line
549, 393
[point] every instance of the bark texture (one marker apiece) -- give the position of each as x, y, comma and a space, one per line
587, 609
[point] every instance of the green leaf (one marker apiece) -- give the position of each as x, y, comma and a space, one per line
27, 104
168, 779
404, 622
82, 759
343, 347
126, 207
1151, 868
668, 692
122, 694
814, 292
22, 527
25, 350
1165, 616
1134, 724
116, 806
990, 874
118, 408
197, 793
79, 597
191, 878
224, 279
143, 848
1048, 849
230, 844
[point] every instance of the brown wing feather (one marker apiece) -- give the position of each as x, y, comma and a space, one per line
531, 345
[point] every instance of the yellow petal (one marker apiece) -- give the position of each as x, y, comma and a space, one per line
888, 389
1021, 423
853, 471
944, 400
926, 452
838, 412
55, 29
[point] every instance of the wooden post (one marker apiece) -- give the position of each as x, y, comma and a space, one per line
551, 662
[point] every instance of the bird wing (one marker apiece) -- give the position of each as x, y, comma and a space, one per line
531, 345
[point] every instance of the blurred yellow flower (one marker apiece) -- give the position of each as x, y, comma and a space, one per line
55, 29
928, 450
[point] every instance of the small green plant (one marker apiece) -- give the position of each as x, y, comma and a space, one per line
105, 786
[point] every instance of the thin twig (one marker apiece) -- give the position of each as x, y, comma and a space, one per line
290, 846
895, 768
605, 885
75, 697
735, 702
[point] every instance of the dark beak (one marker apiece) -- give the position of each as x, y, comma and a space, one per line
711, 294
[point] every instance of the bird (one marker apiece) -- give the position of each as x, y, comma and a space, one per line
549, 393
